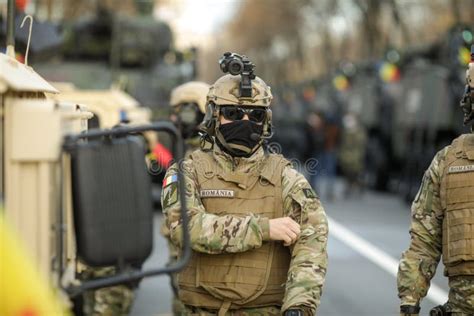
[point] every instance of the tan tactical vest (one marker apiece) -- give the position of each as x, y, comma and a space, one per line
457, 198
247, 279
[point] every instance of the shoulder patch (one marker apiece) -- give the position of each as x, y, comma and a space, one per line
170, 194
310, 194
170, 179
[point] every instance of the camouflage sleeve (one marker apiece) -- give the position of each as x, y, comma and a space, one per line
418, 264
309, 257
209, 233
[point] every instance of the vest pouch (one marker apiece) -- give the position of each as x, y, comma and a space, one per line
459, 239
237, 278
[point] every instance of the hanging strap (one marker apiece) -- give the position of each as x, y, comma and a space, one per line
224, 308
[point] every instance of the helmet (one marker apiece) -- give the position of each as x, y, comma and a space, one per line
225, 91
190, 92
189, 102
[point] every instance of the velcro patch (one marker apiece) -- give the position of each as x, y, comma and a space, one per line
461, 169
309, 193
170, 195
217, 193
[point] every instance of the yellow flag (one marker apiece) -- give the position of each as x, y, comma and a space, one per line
23, 292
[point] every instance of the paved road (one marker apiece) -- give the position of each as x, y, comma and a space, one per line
354, 285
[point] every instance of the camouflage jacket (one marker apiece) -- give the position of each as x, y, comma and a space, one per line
309, 258
192, 144
418, 264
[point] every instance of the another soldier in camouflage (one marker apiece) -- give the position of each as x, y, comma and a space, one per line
189, 106
258, 230
443, 225
109, 301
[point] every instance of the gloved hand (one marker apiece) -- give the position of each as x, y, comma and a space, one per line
409, 310
299, 311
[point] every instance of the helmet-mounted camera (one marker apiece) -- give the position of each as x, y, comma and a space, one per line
236, 64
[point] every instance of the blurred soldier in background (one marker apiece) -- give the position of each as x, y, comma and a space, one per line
189, 105
352, 152
322, 134
315, 138
188, 102
443, 224
109, 301
255, 222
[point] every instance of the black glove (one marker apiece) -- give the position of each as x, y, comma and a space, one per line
294, 312
409, 310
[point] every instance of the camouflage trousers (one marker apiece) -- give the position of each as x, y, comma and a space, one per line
461, 296
262, 311
109, 301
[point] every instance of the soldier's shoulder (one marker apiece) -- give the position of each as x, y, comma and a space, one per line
187, 165
292, 177
199, 153
278, 158
437, 165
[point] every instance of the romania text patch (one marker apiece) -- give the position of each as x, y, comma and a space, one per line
216, 193
460, 169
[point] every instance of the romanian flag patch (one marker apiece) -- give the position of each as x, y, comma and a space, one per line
171, 179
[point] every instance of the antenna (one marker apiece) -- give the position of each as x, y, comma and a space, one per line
28, 17
11, 29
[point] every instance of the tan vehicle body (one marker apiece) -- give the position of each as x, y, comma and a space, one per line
32, 128
107, 105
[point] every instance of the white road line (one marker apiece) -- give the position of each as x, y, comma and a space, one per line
377, 256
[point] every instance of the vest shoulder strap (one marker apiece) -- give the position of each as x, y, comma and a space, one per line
273, 168
461, 147
204, 163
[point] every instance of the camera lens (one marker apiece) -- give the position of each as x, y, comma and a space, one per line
235, 67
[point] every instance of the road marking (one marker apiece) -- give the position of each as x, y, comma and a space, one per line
377, 256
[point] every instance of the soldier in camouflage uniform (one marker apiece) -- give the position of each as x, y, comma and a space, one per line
109, 301
352, 153
258, 230
189, 106
443, 225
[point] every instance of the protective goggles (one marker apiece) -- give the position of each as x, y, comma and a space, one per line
188, 112
234, 113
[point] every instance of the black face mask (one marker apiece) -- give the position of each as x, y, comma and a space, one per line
241, 134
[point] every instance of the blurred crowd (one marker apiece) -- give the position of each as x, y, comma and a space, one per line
323, 144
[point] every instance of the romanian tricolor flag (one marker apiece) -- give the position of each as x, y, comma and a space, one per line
23, 292
168, 180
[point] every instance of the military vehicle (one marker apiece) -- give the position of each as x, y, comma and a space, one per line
427, 116
110, 107
74, 194
408, 101
110, 48
98, 50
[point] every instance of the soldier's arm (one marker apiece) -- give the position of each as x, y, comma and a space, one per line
209, 233
418, 264
309, 257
